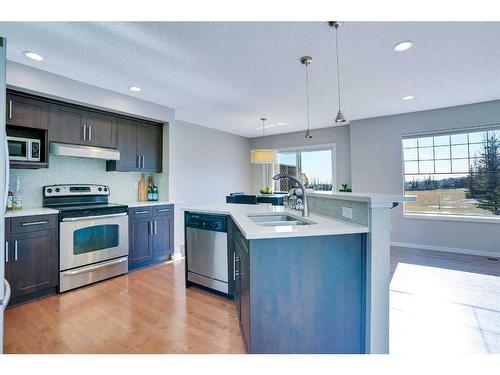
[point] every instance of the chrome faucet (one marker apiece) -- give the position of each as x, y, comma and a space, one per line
305, 208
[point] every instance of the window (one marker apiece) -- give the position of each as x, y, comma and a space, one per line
314, 166
454, 174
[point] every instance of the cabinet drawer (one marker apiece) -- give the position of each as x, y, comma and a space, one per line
33, 223
140, 212
166, 210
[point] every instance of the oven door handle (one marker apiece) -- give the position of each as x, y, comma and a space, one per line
93, 217
96, 267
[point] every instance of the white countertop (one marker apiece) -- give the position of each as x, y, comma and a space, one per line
144, 204
364, 197
31, 212
321, 226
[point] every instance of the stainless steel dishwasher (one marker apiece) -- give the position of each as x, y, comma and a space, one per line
206, 251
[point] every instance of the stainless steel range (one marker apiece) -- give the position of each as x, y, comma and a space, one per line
93, 234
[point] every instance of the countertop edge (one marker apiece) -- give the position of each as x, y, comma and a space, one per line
31, 212
313, 232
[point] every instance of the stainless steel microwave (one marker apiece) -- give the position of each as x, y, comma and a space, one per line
24, 149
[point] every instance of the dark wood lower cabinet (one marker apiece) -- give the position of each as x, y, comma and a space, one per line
140, 249
31, 256
151, 235
300, 295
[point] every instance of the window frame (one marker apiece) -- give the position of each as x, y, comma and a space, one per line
434, 133
320, 147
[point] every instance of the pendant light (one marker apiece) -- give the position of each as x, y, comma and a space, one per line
264, 155
336, 24
306, 60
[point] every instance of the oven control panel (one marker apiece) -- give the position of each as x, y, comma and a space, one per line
66, 190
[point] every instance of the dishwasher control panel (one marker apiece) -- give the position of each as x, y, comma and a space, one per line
216, 223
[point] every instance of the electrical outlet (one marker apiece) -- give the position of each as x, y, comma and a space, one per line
347, 212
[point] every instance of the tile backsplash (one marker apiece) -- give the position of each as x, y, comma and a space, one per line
333, 208
70, 170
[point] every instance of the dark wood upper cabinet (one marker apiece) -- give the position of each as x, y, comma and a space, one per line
149, 144
26, 112
126, 131
140, 142
66, 124
101, 130
79, 126
140, 145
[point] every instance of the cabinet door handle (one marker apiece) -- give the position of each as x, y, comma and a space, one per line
84, 132
150, 227
164, 210
156, 227
90, 132
15, 250
234, 266
34, 223
141, 212
138, 161
143, 161
6, 251
236, 272
10, 109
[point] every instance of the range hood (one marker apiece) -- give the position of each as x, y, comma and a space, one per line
63, 149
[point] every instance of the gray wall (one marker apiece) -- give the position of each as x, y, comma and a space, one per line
376, 163
335, 134
209, 165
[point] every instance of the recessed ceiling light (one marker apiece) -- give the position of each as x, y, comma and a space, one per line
403, 46
408, 97
282, 123
33, 55
134, 88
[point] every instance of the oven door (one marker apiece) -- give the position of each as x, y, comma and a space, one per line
87, 240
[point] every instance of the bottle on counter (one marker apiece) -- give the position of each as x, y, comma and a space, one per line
10, 199
155, 193
17, 199
150, 193
150, 188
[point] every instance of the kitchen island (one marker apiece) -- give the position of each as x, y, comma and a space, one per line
319, 287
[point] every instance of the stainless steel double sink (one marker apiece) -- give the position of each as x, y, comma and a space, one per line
277, 220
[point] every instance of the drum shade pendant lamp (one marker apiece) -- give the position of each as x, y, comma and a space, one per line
264, 155
336, 24
306, 60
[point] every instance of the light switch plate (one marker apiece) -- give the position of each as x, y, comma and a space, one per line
347, 212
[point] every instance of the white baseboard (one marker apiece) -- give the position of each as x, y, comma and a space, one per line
447, 249
176, 256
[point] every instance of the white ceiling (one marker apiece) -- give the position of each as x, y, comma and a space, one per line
227, 75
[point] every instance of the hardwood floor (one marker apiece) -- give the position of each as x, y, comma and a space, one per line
146, 311
440, 303
444, 303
